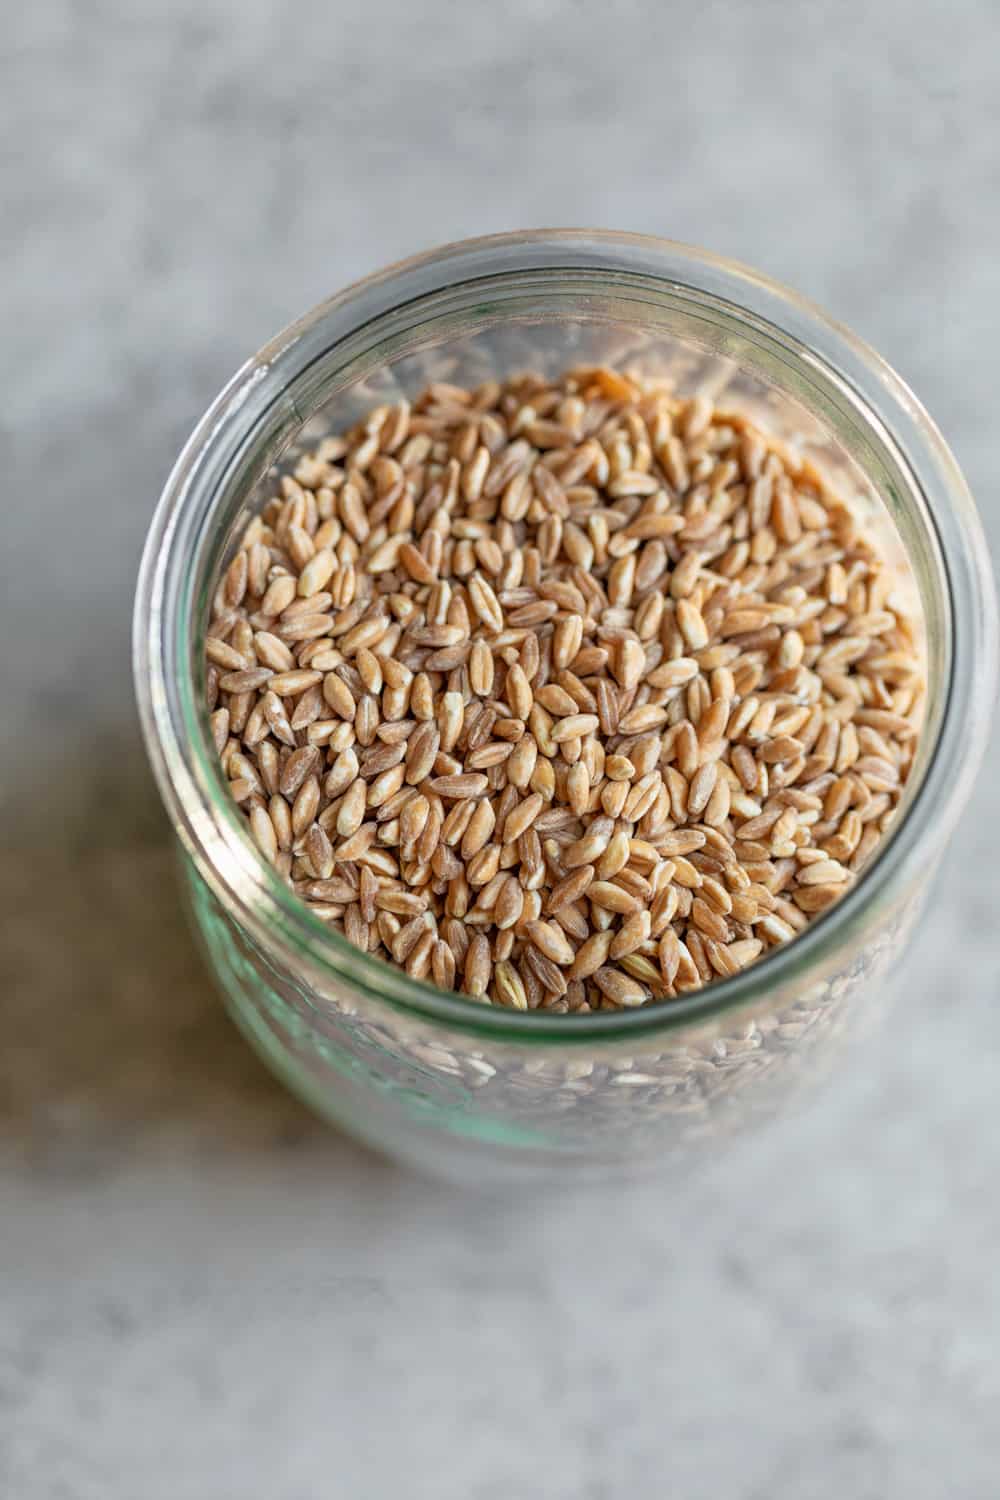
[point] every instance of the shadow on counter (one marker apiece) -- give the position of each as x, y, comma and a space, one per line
113, 1038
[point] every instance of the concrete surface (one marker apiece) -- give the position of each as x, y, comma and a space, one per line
202, 1292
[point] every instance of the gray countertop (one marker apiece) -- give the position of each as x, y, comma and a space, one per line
203, 1292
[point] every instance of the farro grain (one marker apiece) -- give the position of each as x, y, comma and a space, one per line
620, 987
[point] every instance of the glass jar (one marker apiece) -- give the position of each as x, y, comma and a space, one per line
479, 1092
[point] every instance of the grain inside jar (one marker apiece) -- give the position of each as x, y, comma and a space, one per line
566, 694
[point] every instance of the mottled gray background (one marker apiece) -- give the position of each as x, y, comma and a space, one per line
203, 1293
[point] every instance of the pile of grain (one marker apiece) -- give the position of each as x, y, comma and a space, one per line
565, 694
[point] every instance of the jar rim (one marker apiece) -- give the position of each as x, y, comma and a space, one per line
175, 730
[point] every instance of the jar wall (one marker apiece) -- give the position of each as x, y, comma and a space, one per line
464, 1103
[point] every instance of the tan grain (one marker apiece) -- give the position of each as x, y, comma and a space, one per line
572, 694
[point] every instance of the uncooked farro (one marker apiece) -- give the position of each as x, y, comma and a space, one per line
568, 694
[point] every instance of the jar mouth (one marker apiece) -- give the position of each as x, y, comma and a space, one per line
274, 393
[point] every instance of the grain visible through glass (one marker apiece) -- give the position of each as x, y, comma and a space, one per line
567, 694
